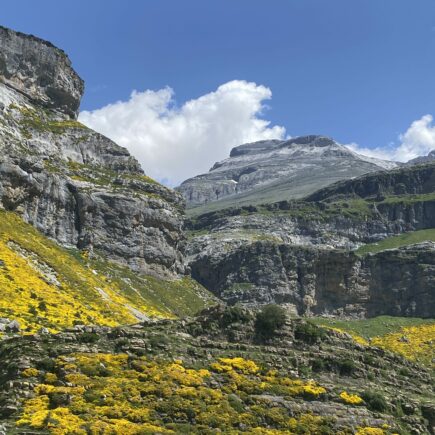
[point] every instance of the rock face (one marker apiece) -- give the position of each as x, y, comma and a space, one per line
423, 159
73, 184
40, 71
268, 171
302, 252
321, 281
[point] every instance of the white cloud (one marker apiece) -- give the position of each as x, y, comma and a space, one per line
174, 143
417, 141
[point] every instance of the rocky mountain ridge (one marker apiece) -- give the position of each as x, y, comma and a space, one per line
304, 252
269, 171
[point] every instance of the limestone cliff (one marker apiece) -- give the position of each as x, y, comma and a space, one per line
73, 184
312, 253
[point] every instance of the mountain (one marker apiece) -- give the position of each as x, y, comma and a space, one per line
81, 190
104, 329
423, 159
270, 171
315, 254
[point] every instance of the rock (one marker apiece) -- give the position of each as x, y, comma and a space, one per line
43, 331
13, 326
73, 184
423, 159
269, 171
40, 71
300, 252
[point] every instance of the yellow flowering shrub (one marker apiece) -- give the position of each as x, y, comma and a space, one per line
351, 399
239, 364
30, 372
369, 431
312, 389
116, 394
414, 342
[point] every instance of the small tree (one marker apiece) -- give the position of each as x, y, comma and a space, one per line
268, 320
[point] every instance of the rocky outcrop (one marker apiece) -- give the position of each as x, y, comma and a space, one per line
396, 282
73, 184
415, 180
302, 252
269, 171
39, 70
423, 159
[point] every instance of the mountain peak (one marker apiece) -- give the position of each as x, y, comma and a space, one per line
263, 146
274, 170
39, 70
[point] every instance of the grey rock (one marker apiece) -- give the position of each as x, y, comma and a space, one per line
73, 184
40, 71
13, 326
301, 252
274, 170
423, 159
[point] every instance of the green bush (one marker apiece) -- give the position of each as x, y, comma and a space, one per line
88, 337
235, 315
309, 333
319, 365
346, 367
375, 401
268, 320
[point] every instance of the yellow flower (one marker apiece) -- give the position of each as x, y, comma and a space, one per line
351, 399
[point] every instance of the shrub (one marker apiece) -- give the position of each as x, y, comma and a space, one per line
47, 364
42, 306
346, 367
318, 365
309, 333
235, 315
268, 320
88, 337
351, 399
375, 401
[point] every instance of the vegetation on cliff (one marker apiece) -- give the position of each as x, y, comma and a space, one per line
45, 285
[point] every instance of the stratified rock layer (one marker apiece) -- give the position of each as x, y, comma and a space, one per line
39, 70
302, 252
73, 184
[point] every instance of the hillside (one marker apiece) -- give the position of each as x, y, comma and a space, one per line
153, 378
81, 190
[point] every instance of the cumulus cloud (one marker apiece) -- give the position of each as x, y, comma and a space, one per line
174, 143
417, 141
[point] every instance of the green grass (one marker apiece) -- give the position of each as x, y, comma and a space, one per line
375, 327
178, 297
397, 241
408, 199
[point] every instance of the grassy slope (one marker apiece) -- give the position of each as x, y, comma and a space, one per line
397, 241
410, 337
43, 284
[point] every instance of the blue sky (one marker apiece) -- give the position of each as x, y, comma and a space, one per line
361, 71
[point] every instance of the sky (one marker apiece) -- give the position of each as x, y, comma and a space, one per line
179, 83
